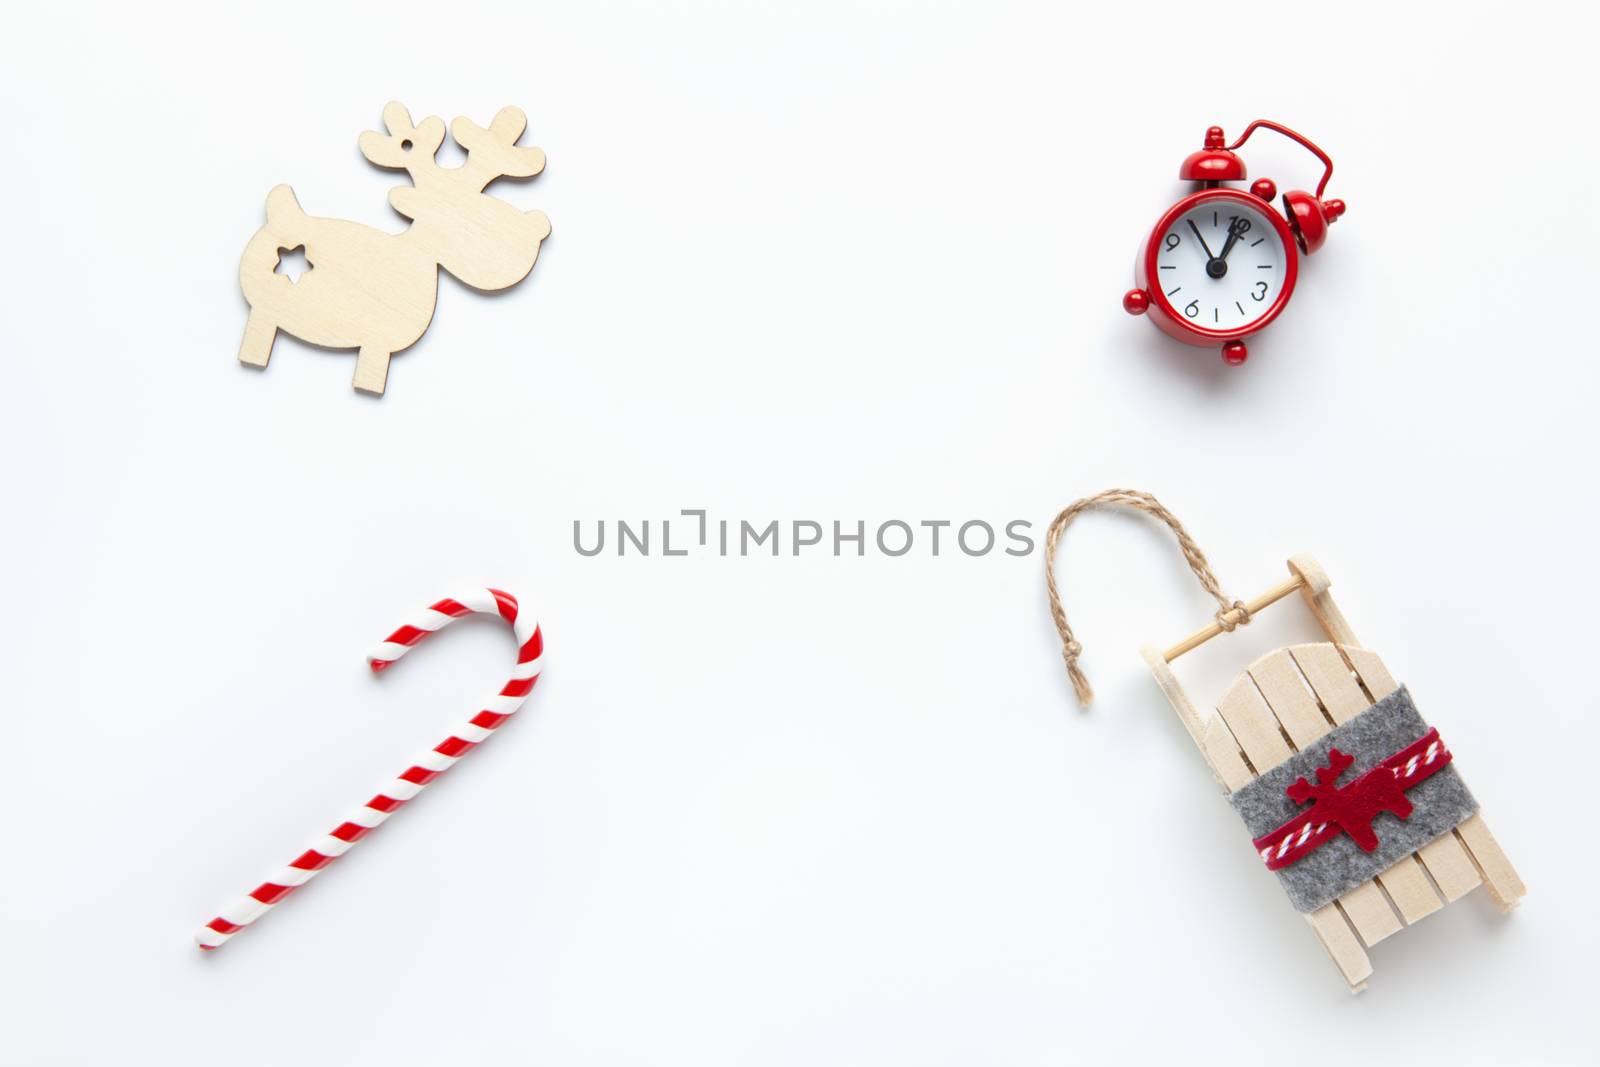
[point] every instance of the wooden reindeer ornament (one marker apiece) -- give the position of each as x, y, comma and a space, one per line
375, 291
1389, 833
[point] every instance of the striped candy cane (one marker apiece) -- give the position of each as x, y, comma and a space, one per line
324, 850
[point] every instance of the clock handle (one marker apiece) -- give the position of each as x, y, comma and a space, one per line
1309, 215
1305, 142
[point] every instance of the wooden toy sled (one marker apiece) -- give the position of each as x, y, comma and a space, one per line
1285, 701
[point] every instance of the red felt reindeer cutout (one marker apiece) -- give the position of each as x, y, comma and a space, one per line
1353, 807
375, 291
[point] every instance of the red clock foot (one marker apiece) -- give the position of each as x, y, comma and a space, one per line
1234, 353
1136, 301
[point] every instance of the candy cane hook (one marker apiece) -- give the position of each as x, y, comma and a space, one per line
324, 850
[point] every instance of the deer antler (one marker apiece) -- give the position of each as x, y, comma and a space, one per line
1302, 790
493, 153
404, 147
1338, 763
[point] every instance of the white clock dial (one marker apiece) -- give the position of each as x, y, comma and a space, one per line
1220, 265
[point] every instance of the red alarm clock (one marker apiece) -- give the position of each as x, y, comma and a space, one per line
1221, 263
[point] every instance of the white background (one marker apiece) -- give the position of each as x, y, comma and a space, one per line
853, 261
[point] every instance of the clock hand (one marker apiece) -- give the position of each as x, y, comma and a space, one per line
1216, 266
1235, 232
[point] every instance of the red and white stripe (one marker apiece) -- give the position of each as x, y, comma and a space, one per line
324, 850
1421, 761
1318, 831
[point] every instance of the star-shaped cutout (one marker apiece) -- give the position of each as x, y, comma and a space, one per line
292, 263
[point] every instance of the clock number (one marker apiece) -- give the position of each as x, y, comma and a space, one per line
1261, 291
1192, 308
1173, 240
1238, 224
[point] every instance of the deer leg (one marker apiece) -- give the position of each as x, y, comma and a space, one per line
1363, 835
372, 370
256, 348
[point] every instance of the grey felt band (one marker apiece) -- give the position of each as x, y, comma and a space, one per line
1441, 801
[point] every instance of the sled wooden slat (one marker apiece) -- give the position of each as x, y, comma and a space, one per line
1332, 681
1222, 752
1253, 725
1369, 912
1413, 895
1329, 924
1374, 675
1285, 701
1452, 869
1286, 693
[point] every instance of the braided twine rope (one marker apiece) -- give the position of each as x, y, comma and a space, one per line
1231, 614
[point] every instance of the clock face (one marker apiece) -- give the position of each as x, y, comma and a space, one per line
1221, 265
